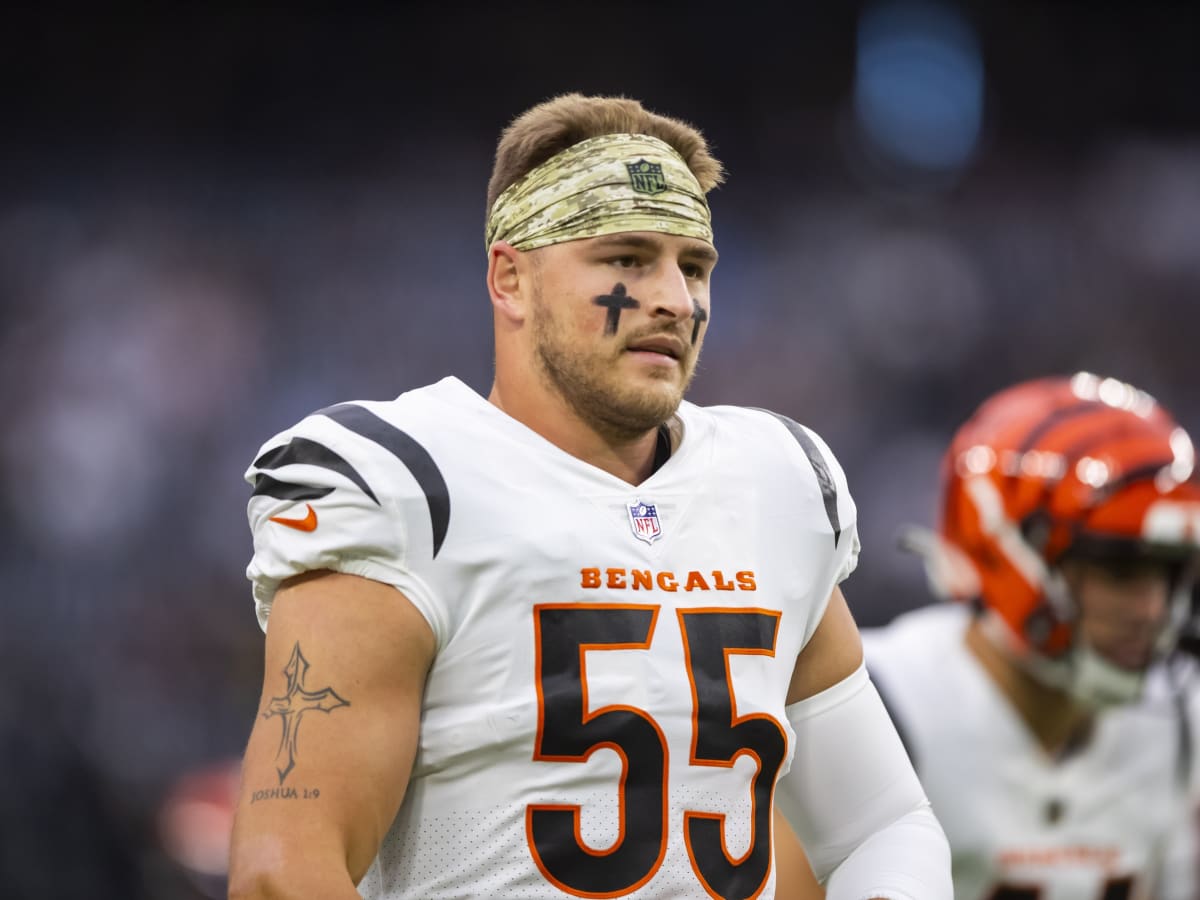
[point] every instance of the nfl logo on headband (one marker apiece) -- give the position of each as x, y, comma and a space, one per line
643, 519
646, 177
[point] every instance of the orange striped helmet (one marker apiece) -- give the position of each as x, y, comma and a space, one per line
1084, 465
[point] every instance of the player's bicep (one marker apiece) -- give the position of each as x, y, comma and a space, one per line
832, 653
333, 743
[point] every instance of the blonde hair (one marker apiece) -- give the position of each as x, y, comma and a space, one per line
551, 127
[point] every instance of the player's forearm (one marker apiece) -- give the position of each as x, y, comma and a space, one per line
856, 803
907, 860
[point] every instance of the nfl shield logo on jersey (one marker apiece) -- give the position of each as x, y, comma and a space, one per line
643, 519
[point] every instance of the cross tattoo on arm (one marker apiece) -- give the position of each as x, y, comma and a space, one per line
295, 703
615, 302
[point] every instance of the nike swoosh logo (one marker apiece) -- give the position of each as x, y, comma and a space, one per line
308, 523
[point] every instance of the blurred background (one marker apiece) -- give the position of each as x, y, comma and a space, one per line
213, 222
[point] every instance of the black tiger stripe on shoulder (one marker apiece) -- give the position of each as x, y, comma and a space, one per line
416, 459
820, 469
266, 486
304, 451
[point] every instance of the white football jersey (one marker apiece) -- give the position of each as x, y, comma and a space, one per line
605, 712
1108, 821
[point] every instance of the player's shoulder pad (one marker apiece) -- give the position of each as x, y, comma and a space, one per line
349, 446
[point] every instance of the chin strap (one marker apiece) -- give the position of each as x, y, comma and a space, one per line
1097, 683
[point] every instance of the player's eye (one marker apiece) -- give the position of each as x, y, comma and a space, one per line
1126, 571
625, 262
691, 270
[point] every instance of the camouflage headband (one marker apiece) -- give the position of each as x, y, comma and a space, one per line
604, 185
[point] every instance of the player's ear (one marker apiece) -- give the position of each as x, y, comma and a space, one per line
508, 281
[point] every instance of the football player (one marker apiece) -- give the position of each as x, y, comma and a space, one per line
1045, 714
575, 638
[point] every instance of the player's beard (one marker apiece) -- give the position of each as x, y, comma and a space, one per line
588, 377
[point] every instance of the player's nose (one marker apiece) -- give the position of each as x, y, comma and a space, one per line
672, 294
1147, 601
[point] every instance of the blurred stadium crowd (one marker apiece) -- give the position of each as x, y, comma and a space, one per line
190, 261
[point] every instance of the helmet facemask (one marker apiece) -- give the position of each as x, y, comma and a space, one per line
1086, 670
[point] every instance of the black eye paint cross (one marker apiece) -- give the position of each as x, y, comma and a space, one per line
615, 302
699, 314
